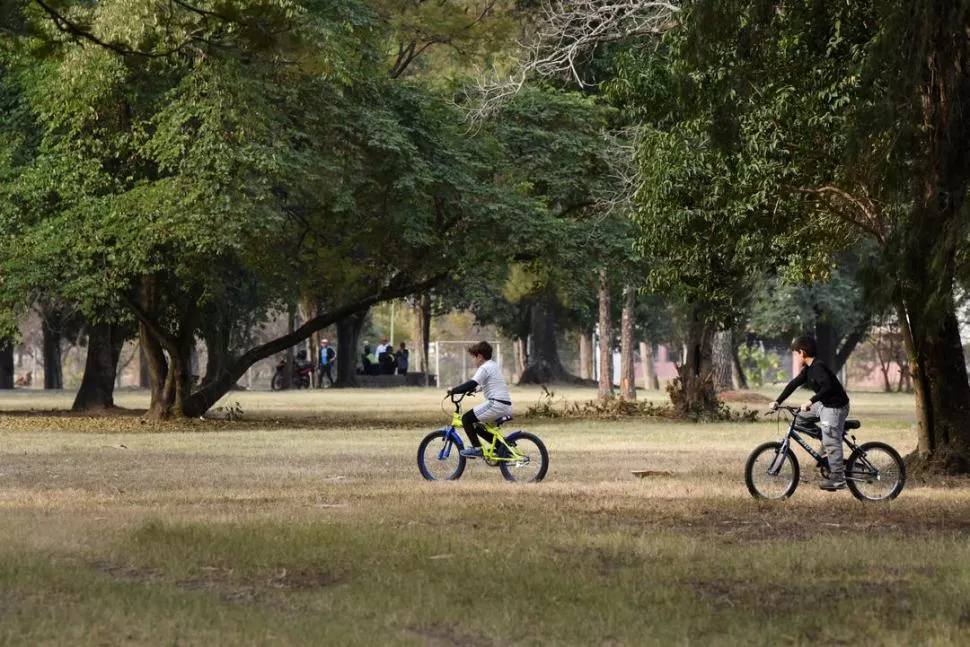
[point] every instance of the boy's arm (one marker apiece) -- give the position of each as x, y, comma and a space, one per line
464, 387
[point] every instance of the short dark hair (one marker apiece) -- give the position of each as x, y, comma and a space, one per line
482, 348
805, 344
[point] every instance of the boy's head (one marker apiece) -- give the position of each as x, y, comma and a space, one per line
482, 348
806, 345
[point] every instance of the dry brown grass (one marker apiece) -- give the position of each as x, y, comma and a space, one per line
308, 523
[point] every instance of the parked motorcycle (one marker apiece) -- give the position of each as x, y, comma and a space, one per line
302, 372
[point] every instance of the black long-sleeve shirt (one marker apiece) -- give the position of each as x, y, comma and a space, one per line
821, 379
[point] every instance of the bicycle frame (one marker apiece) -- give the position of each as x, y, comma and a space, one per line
808, 427
491, 452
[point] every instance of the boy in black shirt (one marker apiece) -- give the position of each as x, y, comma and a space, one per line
830, 404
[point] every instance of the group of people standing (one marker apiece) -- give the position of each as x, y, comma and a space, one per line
384, 360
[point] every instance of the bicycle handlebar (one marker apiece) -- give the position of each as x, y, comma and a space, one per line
784, 407
456, 398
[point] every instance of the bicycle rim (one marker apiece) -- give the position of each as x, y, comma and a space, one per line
530, 462
439, 458
875, 472
771, 474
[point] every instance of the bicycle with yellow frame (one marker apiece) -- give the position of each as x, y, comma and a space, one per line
520, 456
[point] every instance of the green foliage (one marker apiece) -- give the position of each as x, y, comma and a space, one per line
760, 366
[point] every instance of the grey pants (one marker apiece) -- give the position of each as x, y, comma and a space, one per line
832, 422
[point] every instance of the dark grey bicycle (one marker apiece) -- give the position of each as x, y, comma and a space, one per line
874, 471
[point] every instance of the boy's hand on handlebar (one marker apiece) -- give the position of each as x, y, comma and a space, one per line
773, 406
807, 406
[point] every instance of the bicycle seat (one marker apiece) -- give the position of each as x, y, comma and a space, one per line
852, 424
501, 421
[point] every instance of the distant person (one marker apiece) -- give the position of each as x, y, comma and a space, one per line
387, 361
368, 362
830, 404
327, 358
402, 359
498, 402
383, 346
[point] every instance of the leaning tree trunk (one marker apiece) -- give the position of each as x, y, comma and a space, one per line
606, 339
348, 343
6, 364
544, 365
628, 386
96, 392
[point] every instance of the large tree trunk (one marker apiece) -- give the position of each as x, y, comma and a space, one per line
942, 392
52, 323
348, 345
96, 392
544, 365
6, 364
628, 387
605, 391
692, 393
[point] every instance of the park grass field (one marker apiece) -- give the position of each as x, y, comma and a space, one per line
307, 523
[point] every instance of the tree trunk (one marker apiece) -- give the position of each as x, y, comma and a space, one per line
692, 392
942, 393
52, 324
827, 339
723, 360
422, 334
628, 386
650, 379
348, 345
6, 364
606, 339
96, 392
203, 398
738, 378
521, 356
544, 365
586, 353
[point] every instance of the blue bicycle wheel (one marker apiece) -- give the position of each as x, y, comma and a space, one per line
438, 456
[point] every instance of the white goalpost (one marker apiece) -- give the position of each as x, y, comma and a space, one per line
453, 365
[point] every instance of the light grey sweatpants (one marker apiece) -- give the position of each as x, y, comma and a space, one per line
832, 422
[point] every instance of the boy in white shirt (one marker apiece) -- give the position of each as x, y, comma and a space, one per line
497, 402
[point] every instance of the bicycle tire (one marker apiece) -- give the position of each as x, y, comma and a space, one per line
444, 462
525, 471
276, 384
889, 477
758, 480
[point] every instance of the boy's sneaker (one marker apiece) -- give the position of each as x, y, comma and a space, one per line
471, 452
831, 485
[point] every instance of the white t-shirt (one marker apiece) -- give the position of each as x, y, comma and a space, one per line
489, 377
